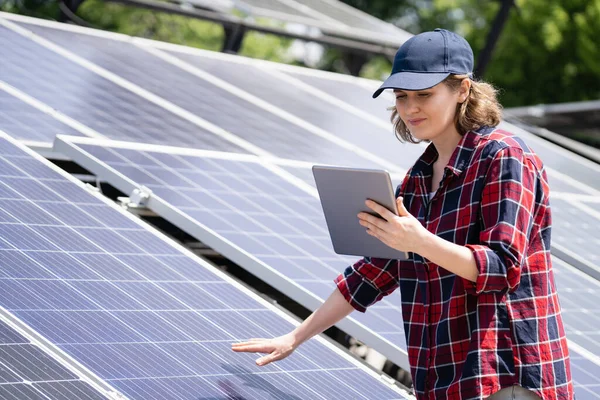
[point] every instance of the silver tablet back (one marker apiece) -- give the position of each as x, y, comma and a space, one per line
343, 192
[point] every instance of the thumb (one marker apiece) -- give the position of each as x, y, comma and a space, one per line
401, 209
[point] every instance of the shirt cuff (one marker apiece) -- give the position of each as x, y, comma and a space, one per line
342, 286
493, 272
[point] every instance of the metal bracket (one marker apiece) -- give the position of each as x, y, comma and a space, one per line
137, 199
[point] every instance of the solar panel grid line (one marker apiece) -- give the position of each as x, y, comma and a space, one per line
57, 354
270, 107
233, 251
70, 122
352, 10
134, 88
229, 280
373, 29
584, 207
360, 25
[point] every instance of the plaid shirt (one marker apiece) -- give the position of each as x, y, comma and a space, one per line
467, 339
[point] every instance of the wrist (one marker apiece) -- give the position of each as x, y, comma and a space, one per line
295, 339
423, 240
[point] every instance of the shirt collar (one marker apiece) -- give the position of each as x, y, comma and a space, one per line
460, 157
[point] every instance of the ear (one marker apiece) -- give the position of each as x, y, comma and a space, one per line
464, 90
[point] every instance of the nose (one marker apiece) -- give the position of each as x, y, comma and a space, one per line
411, 106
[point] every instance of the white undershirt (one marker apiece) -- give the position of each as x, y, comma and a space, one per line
431, 194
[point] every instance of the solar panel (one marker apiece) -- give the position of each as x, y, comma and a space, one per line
137, 311
27, 372
92, 100
249, 213
203, 99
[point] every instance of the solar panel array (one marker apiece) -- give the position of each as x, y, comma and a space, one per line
260, 212
141, 314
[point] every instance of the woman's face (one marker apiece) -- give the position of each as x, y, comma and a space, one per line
429, 114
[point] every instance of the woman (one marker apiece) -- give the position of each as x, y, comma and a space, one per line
479, 302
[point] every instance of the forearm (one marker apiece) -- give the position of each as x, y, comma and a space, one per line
334, 309
452, 257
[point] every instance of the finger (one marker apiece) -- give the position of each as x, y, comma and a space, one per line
377, 232
379, 209
250, 341
401, 209
261, 362
368, 220
251, 348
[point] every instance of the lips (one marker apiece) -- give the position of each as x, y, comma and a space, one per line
416, 121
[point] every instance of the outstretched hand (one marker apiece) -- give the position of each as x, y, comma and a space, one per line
402, 232
277, 348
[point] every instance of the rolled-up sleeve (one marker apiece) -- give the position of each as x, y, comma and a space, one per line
368, 281
507, 207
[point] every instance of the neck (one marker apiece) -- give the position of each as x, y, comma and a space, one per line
446, 143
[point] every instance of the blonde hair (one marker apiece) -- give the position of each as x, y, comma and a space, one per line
481, 108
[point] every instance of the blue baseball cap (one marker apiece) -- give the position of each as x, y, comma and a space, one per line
428, 58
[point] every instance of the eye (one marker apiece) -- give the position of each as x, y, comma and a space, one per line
400, 96
424, 94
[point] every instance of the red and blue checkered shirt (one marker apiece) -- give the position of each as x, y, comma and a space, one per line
467, 340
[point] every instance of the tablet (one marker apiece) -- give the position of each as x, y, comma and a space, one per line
343, 192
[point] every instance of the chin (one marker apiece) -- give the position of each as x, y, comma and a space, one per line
422, 135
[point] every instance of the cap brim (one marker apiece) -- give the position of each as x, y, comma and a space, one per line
411, 81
